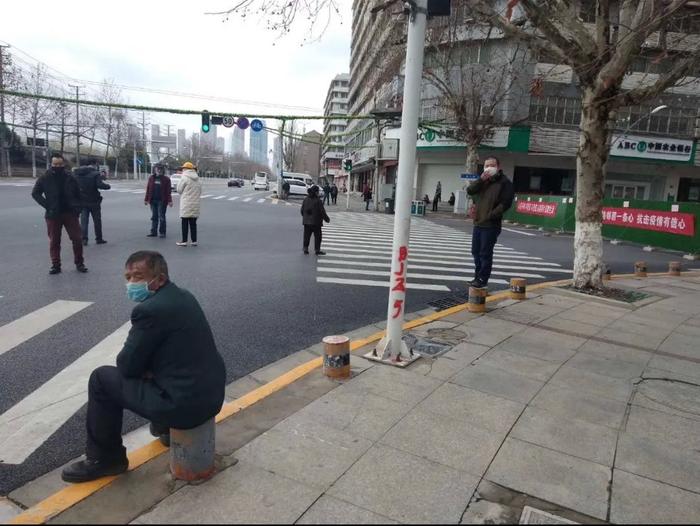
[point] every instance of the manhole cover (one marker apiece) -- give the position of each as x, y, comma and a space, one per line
426, 347
452, 336
535, 516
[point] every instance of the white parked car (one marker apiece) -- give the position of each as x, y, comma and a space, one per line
261, 181
300, 188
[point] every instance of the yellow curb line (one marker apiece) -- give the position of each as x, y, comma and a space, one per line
73, 494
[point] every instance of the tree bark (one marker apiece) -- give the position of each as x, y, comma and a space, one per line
472, 162
34, 149
591, 159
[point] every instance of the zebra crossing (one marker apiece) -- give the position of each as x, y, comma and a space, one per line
252, 198
358, 252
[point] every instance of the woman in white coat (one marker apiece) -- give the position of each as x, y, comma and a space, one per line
190, 190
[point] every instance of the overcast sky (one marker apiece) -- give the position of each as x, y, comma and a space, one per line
175, 46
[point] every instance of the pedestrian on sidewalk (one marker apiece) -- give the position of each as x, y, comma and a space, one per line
438, 196
451, 200
169, 370
367, 195
57, 191
159, 195
90, 183
190, 190
285, 189
334, 194
313, 215
493, 193
326, 193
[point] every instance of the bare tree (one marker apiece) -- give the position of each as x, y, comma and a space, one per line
34, 109
107, 119
600, 54
479, 82
292, 146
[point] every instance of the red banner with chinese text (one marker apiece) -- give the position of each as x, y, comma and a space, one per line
536, 208
657, 220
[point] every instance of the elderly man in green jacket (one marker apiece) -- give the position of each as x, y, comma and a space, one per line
169, 370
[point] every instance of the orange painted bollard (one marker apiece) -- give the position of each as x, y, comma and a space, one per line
477, 299
192, 452
640, 269
336, 356
518, 289
674, 268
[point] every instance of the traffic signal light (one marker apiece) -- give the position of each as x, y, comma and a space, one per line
205, 122
347, 165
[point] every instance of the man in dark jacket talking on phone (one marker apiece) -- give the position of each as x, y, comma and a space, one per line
493, 194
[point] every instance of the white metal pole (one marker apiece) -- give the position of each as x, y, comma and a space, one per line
392, 347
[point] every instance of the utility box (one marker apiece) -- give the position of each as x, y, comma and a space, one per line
417, 208
461, 202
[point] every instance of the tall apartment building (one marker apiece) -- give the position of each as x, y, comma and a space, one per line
162, 144
182, 147
237, 141
333, 148
539, 152
309, 154
258, 146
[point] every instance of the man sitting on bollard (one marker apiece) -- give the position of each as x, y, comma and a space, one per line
169, 370
493, 193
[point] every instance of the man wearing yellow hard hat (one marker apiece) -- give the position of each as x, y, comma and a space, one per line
190, 190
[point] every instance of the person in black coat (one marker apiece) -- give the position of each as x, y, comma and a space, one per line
334, 194
90, 183
169, 370
313, 215
58, 193
326, 194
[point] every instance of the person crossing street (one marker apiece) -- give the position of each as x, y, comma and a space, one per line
159, 196
90, 183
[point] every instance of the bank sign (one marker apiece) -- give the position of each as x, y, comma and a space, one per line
441, 137
666, 149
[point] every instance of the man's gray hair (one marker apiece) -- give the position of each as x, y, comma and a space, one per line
154, 261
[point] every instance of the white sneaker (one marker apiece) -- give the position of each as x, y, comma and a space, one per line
181, 244
194, 243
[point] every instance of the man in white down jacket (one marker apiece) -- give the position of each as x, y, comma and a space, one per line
190, 190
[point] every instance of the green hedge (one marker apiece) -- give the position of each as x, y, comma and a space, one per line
564, 220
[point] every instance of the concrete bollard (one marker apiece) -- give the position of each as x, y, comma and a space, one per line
477, 299
518, 288
607, 275
640, 269
192, 452
674, 268
336, 356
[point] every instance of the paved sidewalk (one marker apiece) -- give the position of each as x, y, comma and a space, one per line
584, 408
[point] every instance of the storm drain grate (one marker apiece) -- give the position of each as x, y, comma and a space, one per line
458, 297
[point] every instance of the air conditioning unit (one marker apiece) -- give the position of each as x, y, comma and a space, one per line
389, 150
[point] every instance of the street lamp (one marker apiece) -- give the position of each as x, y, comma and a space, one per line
629, 126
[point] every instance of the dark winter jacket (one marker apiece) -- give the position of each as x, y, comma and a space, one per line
58, 193
166, 190
170, 340
493, 198
313, 213
90, 183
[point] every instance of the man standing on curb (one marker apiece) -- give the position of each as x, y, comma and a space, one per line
493, 194
90, 183
58, 193
159, 195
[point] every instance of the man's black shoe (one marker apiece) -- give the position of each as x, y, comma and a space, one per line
56, 269
100, 242
320, 253
477, 283
81, 268
306, 251
151, 235
87, 470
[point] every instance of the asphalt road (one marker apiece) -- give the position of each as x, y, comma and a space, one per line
262, 296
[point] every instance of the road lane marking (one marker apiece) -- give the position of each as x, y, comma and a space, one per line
446, 266
261, 200
219, 197
518, 231
412, 275
29, 423
247, 199
205, 196
234, 198
372, 283
26, 327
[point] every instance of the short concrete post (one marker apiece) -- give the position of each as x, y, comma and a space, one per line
674, 268
192, 451
518, 288
477, 299
640, 269
336, 356
607, 275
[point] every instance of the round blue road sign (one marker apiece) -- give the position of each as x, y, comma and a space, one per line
256, 125
242, 123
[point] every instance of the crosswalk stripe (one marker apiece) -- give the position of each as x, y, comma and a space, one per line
376, 231
418, 275
452, 261
373, 283
417, 236
261, 200
247, 199
28, 424
444, 266
275, 201
26, 327
234, 198
342, 248
205, 196
438, 252
439, 247
219, 197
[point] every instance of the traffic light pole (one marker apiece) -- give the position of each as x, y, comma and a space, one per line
392, 349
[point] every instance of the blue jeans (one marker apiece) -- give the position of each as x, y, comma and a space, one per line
158, 209
483, 242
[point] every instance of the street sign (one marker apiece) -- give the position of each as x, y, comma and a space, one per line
469, 177
256, 125
242, 123
217, 119
228, 121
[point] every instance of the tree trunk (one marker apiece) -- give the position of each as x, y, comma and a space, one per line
591, 158
472, 162
34, 150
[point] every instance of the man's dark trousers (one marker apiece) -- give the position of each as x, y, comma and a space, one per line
326, 198
96, 212
483, 242
106, 404
158, 209
316, 230
55, 227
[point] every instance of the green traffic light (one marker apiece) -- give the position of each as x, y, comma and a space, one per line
205, 128
205, 121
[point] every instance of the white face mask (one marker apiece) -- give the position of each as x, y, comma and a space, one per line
491, 170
